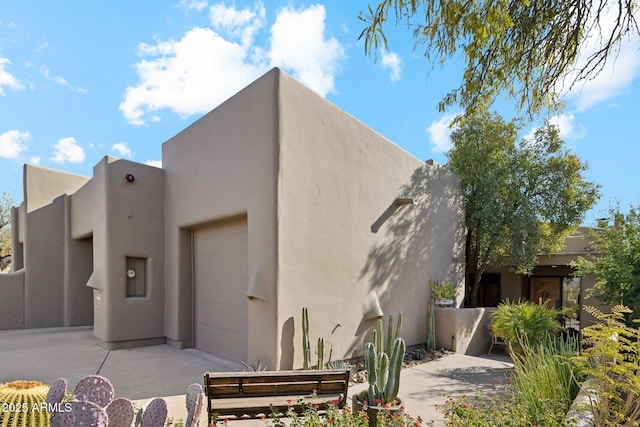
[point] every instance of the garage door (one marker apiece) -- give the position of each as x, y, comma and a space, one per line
220, 282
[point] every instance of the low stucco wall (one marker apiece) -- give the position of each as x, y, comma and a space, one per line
463, 330
12, 300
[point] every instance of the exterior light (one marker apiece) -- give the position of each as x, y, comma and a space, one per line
129, 178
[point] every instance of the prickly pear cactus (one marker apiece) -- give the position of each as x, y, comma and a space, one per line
85, 413
155, 413
57, 391
194, 400
23, 404
120, 412
94, 388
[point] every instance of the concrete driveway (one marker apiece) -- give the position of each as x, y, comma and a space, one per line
163, 371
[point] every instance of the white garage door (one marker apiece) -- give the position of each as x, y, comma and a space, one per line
220, 282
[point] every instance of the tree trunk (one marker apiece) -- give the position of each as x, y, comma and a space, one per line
475, 288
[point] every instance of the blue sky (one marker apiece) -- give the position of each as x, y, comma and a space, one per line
83, 79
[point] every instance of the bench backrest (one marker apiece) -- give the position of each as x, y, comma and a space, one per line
220, 385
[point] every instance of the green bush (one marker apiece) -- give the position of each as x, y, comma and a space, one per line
524, 321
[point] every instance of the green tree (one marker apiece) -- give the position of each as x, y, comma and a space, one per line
5, 231
615, 261
521, 199
522, 48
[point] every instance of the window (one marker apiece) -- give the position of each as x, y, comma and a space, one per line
571, 301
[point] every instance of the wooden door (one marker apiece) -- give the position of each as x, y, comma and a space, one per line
546, 289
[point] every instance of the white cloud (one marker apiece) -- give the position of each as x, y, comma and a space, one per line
567, 126
12, 143
155, 163
59, 80
619, 72
241, 24
440, 133
188, 76
189, 5
391, 61
208, 65
35, 160
122, 148
7, 79
298, 43
68, 150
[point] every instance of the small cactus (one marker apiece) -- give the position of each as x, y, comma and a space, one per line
85, 413
120, 412
154, 413
194, 400
306, 346
94, 388
321, 364
20, 398
56, 392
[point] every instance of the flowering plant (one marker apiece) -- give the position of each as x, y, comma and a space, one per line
312, 415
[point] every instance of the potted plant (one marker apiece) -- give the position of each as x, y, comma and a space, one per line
383, 374
443, 292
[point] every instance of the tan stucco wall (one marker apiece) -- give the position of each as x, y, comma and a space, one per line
17, 230
82, 211
337, 177
128, 220
42, 185
12, 300
463, 330
56, 269
222, 166
44, 250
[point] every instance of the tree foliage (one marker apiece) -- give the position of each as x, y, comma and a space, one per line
610, 360
521, 199
522, 48
5, 232
615, 261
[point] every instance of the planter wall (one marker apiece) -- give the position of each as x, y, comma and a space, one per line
463, 330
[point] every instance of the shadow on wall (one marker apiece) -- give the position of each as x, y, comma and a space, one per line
417, 243
286, 344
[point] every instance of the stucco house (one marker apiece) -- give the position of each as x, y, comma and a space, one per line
551, 280
274, 201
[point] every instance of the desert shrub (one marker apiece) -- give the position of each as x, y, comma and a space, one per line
542, 387
611, 360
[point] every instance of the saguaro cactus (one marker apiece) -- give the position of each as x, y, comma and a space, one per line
384, 371
306, 347
431, 332
321, 364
